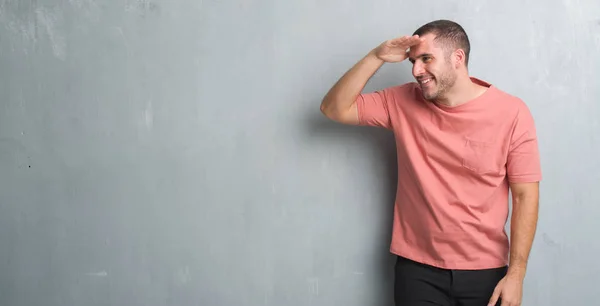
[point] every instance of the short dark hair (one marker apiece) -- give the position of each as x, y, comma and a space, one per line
449, 34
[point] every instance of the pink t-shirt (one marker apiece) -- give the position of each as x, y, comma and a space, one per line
454, 165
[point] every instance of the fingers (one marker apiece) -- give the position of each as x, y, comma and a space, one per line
405, 41
402, 40
495, 296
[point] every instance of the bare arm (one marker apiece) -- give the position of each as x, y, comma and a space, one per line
523, 163
523, 225
339, 103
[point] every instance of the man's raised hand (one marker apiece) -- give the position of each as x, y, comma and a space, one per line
396, 50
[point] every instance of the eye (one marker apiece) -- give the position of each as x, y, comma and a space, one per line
426, 59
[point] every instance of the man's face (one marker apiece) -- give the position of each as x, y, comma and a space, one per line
432, 68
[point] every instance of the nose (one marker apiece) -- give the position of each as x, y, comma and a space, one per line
418, 68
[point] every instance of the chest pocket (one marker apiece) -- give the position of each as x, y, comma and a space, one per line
481, 157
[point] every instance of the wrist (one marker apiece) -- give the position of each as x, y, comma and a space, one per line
372, 57
517, 272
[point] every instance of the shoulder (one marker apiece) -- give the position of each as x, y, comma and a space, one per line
400, 94
508, 104
403, 89
515, 111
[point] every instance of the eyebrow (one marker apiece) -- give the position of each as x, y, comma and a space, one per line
412, 60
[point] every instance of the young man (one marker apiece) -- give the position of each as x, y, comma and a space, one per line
462, 143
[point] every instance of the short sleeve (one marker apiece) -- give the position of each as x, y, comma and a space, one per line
373, 109
523, 163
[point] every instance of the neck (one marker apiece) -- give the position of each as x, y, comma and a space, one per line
461, 92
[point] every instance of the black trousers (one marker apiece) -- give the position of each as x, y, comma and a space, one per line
418, 284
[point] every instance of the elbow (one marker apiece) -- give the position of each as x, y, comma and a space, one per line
323, 107
326, 109
338, 111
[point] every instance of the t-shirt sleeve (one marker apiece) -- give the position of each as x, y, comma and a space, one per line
373, 109
523, 163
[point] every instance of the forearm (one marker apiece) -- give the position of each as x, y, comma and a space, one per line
343, 94
523, 228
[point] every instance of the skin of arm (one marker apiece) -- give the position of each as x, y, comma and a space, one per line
523, 227
524, 220
339, 103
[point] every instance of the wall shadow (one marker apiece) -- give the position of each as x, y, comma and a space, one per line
383, 148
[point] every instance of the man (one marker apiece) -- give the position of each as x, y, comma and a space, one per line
462, 144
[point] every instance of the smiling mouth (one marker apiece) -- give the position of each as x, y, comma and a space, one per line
425, 81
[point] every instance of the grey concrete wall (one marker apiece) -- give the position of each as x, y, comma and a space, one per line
172, 152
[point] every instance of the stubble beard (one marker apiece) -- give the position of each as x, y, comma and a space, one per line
443, 83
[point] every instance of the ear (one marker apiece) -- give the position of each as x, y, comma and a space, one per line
458, 57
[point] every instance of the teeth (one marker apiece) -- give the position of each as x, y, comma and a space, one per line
425, 81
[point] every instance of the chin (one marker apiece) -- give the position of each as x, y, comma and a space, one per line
430, 95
